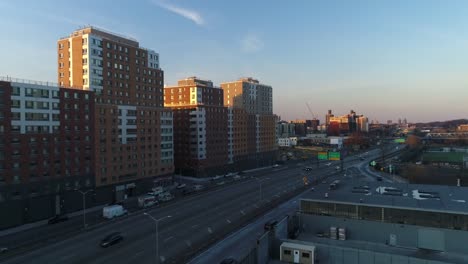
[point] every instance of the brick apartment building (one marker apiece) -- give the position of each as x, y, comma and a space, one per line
200, 127
46, 149
133, 131
251, 123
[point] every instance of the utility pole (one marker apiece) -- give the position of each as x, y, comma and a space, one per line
84, 205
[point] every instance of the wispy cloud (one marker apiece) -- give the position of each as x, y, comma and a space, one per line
187, 13
251, 43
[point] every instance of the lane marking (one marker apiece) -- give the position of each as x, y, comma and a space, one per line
188, 243
242, 212
167, 239
210, 230
229, 221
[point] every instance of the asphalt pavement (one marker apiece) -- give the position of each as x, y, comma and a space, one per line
194, 223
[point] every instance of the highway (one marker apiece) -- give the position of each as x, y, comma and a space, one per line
193, 223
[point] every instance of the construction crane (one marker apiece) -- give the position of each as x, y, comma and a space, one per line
310, 110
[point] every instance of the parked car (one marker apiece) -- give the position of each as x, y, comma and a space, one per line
230, 174
221, 183
147, 201
237, 177
156, 191
111, 239
3, 250
337, 167
57, 219
270, 224
167, 196
379, 178
188, 191
181, 186
328, 164
275, 166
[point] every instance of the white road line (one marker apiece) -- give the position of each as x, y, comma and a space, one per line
67, 256
167, 239
210, 230
229, 221
188, 243
242, 212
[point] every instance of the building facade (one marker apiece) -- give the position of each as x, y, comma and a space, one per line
200, 127
133, 130
46, 148
252, 125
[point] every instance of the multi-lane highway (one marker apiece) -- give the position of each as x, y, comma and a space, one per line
194, 222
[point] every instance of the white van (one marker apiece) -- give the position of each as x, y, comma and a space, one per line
112, 211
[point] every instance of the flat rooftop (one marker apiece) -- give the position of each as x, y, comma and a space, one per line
434, 198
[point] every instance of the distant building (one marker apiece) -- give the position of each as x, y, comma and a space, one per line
362, 124
286, 129
463, 128
253, 130
300, 127
287, 142
327, 117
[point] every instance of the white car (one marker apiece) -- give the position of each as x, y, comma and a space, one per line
275, 166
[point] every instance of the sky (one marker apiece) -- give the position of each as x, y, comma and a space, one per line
384, 59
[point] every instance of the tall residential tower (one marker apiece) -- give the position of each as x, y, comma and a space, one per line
133, 140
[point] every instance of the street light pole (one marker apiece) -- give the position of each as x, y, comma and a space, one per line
84, 205
156, 221
260, 183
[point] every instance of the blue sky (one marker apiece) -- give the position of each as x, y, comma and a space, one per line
384, 59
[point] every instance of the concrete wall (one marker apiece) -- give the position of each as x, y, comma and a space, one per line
406, 235
339, 255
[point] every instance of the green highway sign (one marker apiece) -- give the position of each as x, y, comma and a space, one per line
334, 155
322, 155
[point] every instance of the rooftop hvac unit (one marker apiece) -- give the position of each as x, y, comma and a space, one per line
342, 233
333, 232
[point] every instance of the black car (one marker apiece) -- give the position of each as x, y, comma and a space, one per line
188, 191
229, 261
57, 219
111, 239
379, 178
270, 224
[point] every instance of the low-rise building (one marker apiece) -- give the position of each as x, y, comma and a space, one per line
415, 223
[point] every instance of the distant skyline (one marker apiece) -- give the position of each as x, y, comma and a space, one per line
383, 59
